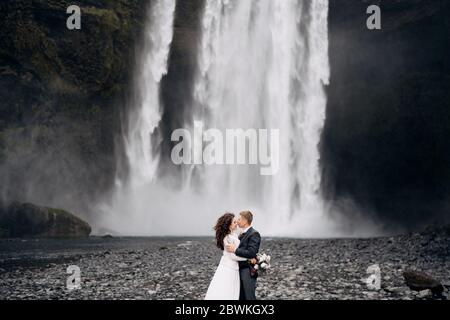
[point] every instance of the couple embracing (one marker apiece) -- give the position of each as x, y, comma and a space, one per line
235, 277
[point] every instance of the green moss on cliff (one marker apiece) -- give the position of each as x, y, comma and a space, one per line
28, 220
61, 95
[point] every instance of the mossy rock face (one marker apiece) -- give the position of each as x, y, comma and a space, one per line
62, 96
28, 220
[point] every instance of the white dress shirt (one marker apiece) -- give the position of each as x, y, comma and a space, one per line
245, 230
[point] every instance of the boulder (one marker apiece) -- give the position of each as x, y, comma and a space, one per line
28, 220
419, 281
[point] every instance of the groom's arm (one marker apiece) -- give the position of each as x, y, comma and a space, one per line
252, 249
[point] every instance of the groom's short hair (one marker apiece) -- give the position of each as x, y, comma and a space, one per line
247, 215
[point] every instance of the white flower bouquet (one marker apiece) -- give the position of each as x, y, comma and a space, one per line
263, 263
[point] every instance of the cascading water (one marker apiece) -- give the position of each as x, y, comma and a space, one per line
145, 119
128, 203
262, 64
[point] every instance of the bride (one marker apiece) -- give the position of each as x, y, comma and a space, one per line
225, 284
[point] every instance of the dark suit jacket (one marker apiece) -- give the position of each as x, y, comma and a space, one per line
249, 247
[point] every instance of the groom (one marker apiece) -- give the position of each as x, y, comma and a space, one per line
248, 248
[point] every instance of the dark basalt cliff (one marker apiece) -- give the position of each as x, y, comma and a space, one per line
63, 94
386, 140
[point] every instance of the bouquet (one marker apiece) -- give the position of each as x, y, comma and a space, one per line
263, 263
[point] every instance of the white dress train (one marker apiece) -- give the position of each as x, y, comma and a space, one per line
226, 284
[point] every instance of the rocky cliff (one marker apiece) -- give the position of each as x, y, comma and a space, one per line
386, 139
61, 93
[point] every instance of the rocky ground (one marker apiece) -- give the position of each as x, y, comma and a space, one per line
181, 268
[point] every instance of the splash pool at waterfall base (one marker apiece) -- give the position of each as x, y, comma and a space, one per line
181, 268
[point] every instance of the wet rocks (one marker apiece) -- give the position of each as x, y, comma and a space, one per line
137, 268
420, 281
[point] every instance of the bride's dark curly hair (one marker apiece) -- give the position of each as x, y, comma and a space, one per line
222, 228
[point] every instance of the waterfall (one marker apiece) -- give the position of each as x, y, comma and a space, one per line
128, 208
262, 64
142, 154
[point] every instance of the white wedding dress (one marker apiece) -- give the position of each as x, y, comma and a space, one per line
226, 284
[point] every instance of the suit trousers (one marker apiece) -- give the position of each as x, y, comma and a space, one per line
248, 285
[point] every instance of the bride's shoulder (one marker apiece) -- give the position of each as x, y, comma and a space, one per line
233, 237
228, 237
